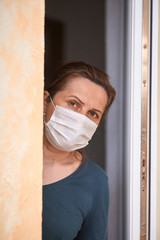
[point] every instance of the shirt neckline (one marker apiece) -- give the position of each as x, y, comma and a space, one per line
63, 180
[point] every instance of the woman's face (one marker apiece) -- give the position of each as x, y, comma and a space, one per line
80, 95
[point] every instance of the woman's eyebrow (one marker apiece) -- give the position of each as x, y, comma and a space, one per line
96, 110
77, 98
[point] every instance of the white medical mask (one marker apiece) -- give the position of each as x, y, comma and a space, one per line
68, 130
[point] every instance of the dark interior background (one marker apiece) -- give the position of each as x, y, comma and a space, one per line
75, 31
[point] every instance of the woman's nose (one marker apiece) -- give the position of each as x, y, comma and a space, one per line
83, 111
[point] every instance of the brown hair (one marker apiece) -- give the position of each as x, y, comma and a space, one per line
85, 70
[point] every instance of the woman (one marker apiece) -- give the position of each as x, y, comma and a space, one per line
75, 190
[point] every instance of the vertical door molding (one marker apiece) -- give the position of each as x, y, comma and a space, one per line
114, 40
135, 134
154, 130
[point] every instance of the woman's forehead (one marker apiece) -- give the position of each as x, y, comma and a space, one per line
81, 83
86, 90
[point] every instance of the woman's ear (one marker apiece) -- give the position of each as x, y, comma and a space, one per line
45, 102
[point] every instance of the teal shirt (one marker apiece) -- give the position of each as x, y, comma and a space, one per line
76, 207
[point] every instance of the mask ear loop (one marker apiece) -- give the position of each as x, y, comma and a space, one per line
52, 102
44, 114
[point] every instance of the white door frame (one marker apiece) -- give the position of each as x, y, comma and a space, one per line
135, 139
135, 134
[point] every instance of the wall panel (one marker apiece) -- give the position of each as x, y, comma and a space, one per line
21, 124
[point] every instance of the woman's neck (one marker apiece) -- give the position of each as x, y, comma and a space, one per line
53, 155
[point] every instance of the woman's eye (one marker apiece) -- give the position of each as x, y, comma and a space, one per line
73, 104
93, 114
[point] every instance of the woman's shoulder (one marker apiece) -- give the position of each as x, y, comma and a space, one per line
97, 169
94, 180
95, 173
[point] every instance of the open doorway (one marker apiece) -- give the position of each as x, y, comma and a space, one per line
75, 31
96, 32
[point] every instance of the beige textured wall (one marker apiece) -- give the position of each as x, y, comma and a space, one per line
21, 103
158, 140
